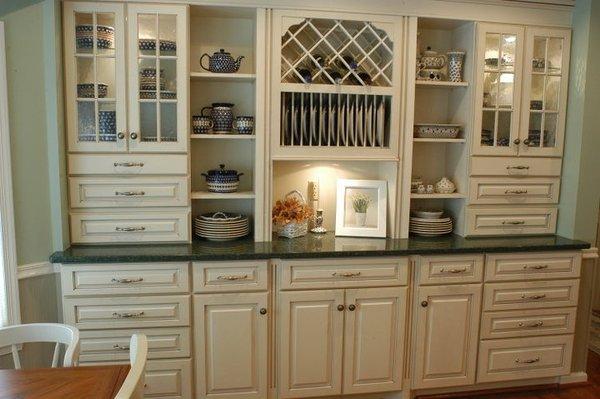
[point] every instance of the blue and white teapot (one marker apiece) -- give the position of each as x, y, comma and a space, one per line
222, 62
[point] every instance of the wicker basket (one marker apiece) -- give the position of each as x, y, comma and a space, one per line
293, 230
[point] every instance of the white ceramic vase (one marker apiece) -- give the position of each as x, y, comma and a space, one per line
445, 186
361, 218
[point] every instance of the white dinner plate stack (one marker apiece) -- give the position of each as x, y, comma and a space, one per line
221, 226
429, 224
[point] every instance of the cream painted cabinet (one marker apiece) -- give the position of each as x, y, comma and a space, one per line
446, 335
231, 345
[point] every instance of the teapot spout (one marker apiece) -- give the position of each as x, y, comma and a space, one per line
238, 62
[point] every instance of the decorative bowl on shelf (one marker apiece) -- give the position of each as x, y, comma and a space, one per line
427, 213
445, 186
222, 180
436, 130
84, 36
150, 45
86, 90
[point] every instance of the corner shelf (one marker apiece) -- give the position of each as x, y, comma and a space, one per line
436, 196
222, 136
421, 140
210, 195
223, 77
440, 83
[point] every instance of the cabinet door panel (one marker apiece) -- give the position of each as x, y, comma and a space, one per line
374, 339
311, 336
447, 325
231, 345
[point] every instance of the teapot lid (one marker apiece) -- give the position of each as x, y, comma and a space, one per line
222, 171
228, 105
222, 51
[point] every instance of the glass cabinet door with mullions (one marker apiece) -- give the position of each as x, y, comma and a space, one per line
95, 77
545, 91
499, 65
157, 75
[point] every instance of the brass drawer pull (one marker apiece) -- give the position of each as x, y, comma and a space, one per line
129, 164
515, 192
454, 271
127, 315
536, 267
233, 277
532, 325
527, 361
129, 193
129, 229
126, 280
514, 222
345, 274
518, 167
533, 297
120, 347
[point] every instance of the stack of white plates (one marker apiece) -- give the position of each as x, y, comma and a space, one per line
430, 224
221, 226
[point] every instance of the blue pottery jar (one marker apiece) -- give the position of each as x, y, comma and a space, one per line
221, 115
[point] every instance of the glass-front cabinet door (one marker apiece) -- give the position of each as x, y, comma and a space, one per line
158, 70
545, 91
498, 89
95, 77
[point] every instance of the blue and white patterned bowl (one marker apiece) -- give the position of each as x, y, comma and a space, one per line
150, 45
84, 36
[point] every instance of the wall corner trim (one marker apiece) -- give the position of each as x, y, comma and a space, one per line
589, 253
36, 269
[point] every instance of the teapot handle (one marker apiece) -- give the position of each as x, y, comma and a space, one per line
202, 112
201, 58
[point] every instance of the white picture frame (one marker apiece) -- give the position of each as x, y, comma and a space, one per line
349, 222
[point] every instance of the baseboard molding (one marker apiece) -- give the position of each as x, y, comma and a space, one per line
573, 378
589, 253
35, 269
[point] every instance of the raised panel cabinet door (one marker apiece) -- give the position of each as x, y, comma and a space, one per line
498, 70
231, 345
544, 91
374, 339
446, 335
311, 328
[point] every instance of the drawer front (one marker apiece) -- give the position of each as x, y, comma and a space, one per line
230, 276
340, 273
532, 266
446, 269
512, 166
127, 312
125, 191
113, 345
510, 221
502, 190
523, 323
127, 164
164, 226
523, 358
530, 295
168, 379
125, 278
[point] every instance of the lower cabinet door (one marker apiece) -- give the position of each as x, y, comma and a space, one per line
374, 339
231, 345
311, 327
168, 379
446, 335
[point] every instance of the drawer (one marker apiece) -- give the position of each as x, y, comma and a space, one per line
126, 191
125, 278
127, 312
445, 269
113, 345
517, 190
127, 164
523, 323
532, 266
523, 358
513, 166
123, 227
510, 221
340, 273
530, 295
230, 276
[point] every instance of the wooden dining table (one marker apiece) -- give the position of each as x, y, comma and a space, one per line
97, 382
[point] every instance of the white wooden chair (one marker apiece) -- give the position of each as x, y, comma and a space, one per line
14, 336
133, 386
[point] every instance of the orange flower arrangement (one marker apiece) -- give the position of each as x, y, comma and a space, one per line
291, 210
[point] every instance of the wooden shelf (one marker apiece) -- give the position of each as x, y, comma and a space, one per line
420, 140
223, 77
440, 83
222, 136
437, 196
211, 195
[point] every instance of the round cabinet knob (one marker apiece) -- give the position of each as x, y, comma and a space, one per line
340, 307
351, 307
121, 135
517, 141
526, 141
424, 304
133, 136
263, 311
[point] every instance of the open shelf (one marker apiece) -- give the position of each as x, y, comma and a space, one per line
210, 195
437, 196
440, 83
420, 140
222, 136
223, 77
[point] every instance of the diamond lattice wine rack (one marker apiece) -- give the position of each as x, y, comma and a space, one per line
336, 84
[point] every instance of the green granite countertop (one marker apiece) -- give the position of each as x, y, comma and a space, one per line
310, 246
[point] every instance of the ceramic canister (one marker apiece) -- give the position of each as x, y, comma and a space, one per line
222, 117
455, 65
244, 124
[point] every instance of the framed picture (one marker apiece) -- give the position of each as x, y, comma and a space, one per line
361, 208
